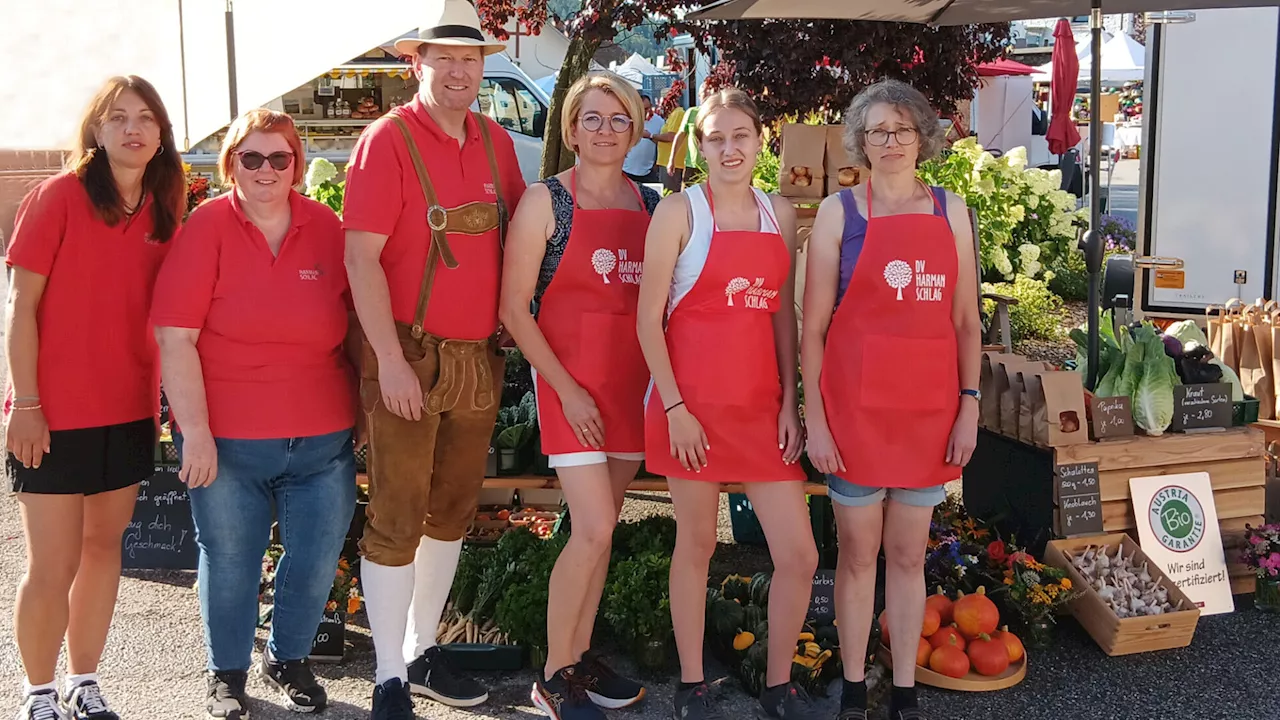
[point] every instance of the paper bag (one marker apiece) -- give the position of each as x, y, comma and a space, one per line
1037, 411
1213, 325
841, 173
1031, 389
1230, 337
989, 407
802, 170
1256, 361
1064, 408
1011, 404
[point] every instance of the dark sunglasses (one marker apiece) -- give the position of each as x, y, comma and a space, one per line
252, 160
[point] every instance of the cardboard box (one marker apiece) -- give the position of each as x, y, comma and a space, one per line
841, 173
802, 168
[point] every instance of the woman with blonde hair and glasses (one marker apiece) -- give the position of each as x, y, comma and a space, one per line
890, 294
80, 416
251, 314
570, 281
719, 275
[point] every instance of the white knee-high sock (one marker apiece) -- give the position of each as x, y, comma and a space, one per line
387, 594
435, 566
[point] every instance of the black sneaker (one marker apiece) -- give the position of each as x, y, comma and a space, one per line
908, 714
564, 696
790, 702
87, 703
432, 675
606, 688
391, 701
226, 698
295, 683
695, 704
41, 705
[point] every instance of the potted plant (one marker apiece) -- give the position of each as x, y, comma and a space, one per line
637, 605
513, 433
1262, 553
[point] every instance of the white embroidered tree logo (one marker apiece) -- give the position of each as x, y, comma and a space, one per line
735, 286
898, 275
604, 261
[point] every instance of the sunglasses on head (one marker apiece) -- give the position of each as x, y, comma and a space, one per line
252, 160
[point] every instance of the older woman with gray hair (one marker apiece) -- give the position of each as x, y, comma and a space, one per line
890, 353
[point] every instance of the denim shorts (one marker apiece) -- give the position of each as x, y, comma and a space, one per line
843, 492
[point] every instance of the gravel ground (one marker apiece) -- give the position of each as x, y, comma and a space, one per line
1060, 349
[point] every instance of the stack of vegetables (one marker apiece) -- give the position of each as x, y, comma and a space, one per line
738, 624
959, 636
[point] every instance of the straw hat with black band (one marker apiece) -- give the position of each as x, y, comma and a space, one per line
449, 22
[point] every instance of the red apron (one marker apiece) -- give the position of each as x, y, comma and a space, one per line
721, 342
890, 383
588, 315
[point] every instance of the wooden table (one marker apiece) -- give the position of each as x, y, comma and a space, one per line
535, 482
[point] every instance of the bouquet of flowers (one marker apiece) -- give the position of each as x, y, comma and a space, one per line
956, 558
1034, 591
197, 188
344, 594
1262, 550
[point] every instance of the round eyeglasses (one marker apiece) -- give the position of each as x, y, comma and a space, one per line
903, 136
593, 122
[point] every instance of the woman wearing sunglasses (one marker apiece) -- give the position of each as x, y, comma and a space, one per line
719, 270
574, 254
251, 315
890, 296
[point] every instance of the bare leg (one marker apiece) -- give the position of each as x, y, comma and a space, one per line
587, 490
93, 596
860, 529
782, 511
621, 473
53, 558
906, 535
697, 507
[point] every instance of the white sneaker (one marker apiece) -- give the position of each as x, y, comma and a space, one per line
87, 703
41, 705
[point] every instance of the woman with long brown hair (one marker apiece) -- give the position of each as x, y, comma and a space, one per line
84, 393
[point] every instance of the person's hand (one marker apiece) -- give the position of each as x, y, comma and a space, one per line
964, 434
822, 450
790, 434
27, 436
199, 458
401, 389
671, 167
688, 440
584, 417
362, 429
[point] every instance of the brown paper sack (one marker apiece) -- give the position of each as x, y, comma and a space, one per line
989, 407
1065, 417
802, 167
1213, 324
841, 173
1002, 367
1230, 336
1027, 405
1011, 404
1274, 327
1256, 362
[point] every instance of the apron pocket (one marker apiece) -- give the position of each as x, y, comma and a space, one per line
731, 364
608, 353
907, 374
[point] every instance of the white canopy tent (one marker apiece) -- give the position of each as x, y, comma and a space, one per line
60, 51
1123, 60
635, 69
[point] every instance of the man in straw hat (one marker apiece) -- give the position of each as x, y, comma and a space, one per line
429, 189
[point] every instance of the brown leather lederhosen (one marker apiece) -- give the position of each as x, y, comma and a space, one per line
425, 476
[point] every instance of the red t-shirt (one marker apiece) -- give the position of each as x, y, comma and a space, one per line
98, 363
271, 327
383, 196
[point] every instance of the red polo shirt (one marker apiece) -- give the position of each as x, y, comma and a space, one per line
97, 363
271, 327
383, 196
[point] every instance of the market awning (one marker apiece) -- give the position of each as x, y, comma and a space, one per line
1123, 60
944, 12
1004, 66
60, 51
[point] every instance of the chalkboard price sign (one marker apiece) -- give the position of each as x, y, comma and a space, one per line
1112, 417
161, 535
1077, 493
1201, 407
822, 603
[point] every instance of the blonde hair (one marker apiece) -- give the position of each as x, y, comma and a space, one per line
610, 83
261, 120
729, 98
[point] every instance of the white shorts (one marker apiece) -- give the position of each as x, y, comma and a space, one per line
594, 457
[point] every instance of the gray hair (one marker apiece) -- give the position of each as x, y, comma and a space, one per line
908, 100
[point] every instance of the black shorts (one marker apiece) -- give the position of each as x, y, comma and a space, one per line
89, 461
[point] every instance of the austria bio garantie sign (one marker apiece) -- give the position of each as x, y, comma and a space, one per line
1178, 530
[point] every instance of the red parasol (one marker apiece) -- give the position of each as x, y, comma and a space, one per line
1004, 66
1066, 78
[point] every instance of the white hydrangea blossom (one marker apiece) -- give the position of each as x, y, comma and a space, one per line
319, 172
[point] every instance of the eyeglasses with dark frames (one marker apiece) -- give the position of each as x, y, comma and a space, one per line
593, 122
903, 136
252, 159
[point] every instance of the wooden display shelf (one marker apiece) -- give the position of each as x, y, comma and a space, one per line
534, 482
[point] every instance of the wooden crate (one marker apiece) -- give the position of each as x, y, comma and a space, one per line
1124, 636
1235, 461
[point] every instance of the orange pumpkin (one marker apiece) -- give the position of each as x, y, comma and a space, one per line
948, 633
941, 604
989, 657
975, 614
884, 627
931, 622
949, 660
923, 652
1011, 643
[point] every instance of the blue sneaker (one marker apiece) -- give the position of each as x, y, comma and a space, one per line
564, 696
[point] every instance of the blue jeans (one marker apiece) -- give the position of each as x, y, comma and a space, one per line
310, 483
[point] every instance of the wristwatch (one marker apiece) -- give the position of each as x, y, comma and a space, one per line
975, 394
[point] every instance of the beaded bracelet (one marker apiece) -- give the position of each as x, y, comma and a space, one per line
26, 407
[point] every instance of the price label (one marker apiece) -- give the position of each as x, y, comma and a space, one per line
1201, 407
1112, 417
822, 603
1077, 493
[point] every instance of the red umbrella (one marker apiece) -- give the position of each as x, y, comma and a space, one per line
1066, 78
1004, 66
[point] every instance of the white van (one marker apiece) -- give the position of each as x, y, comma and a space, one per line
511, 98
